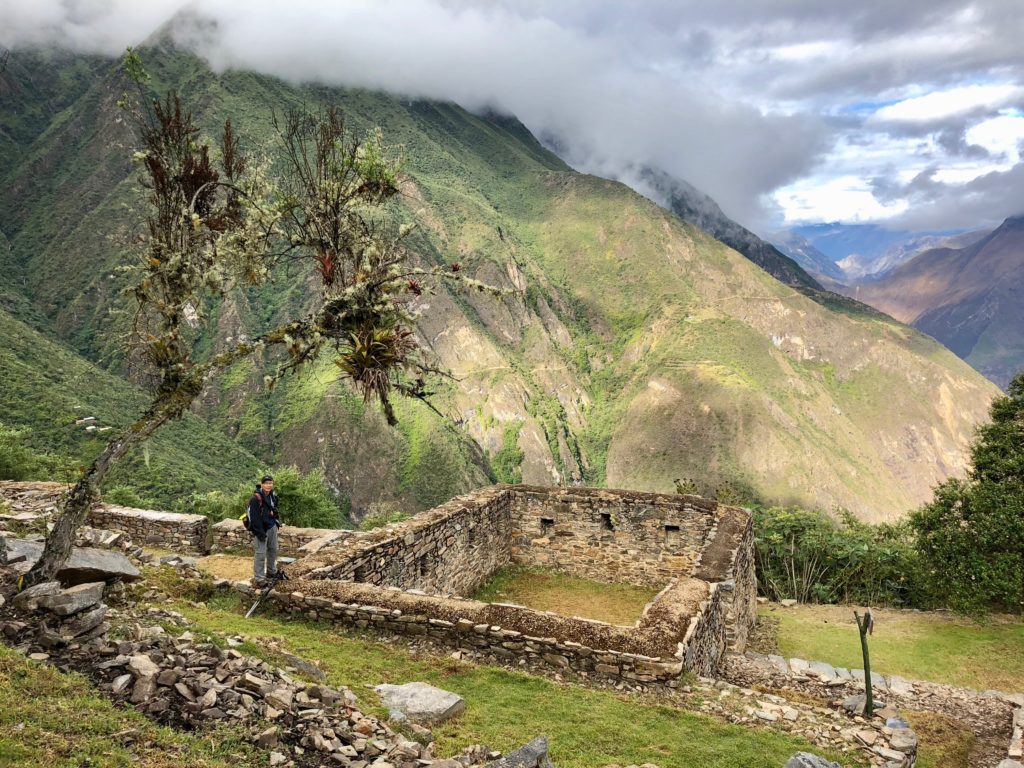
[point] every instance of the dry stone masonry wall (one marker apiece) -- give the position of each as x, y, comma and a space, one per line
414, 577
640, 538
230, 536
181, 533
702, 551
451, 549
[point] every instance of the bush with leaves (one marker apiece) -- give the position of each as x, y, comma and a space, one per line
808, 556
381, 513
18, 461
306, 501
971, 536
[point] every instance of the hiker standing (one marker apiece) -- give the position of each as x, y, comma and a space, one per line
264, 521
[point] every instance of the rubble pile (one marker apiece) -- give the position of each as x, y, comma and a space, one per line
189, 682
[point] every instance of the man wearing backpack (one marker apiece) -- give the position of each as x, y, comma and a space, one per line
264, 520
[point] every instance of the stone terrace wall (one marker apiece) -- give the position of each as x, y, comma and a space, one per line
181, 533
728, 562
686, 624
451, 549
230, 534
610, 535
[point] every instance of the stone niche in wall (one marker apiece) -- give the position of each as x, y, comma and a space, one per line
415, 577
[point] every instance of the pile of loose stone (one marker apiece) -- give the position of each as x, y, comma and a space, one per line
993, 716
63, 617
188, 682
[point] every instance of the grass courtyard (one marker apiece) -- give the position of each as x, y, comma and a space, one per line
547, 590
941, 647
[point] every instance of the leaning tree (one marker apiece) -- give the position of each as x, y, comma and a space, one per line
217, 220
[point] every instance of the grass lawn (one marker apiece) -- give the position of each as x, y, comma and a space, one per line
546, 590
53, 720
924, 646
587, 728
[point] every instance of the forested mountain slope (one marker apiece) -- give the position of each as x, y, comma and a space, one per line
631, 349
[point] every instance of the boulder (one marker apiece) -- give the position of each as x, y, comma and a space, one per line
808, 760
28, 600
73, 599
81, 623
903, 740
532, 755
420, 702
86, 564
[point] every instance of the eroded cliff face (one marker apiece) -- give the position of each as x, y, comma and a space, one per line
627, 350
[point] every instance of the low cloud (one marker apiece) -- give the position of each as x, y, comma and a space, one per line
741, 98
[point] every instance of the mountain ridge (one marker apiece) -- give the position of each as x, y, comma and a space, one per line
631, 348
967, 298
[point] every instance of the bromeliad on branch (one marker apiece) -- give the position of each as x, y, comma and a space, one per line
215, 221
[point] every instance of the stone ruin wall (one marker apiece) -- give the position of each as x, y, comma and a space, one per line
694, 546
168, 530
639, 538
452, 549
689, 543
230, 536
727, 560
686, 623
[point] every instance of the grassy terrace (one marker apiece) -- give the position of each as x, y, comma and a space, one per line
55, 720
986, 654
586, 727
545, 590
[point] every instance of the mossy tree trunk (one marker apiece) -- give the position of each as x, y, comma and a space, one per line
75, 509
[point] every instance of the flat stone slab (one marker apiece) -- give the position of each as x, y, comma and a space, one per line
86, 564
420, 702
155, 515
532, 755
73, 599
809, 760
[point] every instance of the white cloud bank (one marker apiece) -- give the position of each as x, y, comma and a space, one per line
812, 110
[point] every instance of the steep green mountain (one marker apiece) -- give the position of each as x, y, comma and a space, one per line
693, 206
969, 298
69, 407
631, 349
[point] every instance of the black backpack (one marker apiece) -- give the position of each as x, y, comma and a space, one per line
246, 523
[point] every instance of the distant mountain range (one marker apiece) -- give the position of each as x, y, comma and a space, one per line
970, 298
845, 254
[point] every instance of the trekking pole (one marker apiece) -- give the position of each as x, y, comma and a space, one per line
278, 577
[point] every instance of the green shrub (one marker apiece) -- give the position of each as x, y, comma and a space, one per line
306, 501
971, 539
971, 536
380, 514
809, 556
18, 461
127, 497
508, 461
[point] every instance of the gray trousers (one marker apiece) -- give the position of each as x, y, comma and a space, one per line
265, 562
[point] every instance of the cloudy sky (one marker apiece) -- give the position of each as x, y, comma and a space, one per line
909, 112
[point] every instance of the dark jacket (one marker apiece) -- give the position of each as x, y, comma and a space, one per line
263, 514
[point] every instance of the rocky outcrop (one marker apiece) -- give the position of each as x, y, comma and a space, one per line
86, 564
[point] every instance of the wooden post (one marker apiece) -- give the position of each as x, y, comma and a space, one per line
864, 627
